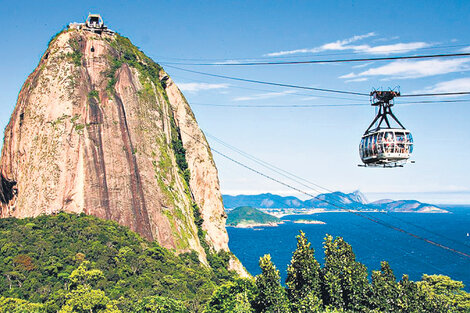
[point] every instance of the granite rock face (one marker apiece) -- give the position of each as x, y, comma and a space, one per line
101, 129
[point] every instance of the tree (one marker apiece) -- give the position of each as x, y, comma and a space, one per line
385, 290
303, 278
10, 305
444, 294
235, 296
271, 296
345, 283
84, 276
82, 298
23, 262
410, 299
158, 304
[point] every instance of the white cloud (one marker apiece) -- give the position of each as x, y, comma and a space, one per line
264, 95
455, 85
415, 69
230, 62
308, 98
363, 65
393, 48
195, 87
355, 80
337, 45
386, 39
465, 50
341, 45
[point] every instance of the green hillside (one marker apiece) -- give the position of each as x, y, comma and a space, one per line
246, 215
41, 258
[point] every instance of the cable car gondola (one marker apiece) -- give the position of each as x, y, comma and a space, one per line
384, 145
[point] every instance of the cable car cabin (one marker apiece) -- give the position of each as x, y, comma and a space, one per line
386, 147
383, 145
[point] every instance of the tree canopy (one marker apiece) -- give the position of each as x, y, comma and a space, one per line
56, 259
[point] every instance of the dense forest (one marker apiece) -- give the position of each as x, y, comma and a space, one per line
79, 263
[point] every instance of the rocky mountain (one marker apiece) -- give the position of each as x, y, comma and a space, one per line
329, 201
355, 200
99, 128
269, 200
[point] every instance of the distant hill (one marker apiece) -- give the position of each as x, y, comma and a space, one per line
407, 206
264, 200
248, 216
329, 201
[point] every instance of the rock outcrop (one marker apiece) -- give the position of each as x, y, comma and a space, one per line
101, 129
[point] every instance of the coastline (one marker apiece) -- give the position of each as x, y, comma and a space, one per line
280, 214
253, 225
309, 222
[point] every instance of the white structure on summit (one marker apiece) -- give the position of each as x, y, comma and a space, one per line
94, 23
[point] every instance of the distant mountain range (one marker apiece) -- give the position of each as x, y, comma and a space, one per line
329, 201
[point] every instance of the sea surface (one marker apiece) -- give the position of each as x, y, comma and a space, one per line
371, 242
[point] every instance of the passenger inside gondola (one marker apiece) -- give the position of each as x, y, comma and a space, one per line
400, 137
386, 142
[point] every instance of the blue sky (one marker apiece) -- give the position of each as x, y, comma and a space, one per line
319, 144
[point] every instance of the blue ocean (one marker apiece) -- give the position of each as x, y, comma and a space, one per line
371, 242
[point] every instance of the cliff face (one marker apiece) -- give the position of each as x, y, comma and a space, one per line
100, 128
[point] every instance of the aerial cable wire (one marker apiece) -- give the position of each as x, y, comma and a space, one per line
298, 180
273, 106
409, 57
436, 101
372, 219
265, 164
246, 80
280, 106
270, 83
268, 90
457, 93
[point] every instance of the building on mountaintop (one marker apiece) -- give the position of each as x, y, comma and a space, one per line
94, 23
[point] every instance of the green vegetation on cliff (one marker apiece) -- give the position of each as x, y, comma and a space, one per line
132, 56
245, 216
